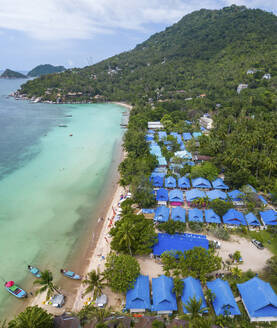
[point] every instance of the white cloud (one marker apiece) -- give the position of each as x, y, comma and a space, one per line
82, 19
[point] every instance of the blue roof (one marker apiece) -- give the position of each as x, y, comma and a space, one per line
170, 182
182, 146
233, 217
176, 195
161, 214
149, 137
259, 298
211, 216
179, 242
151, 131
183, 154
187, 136
262, 199
184, 183
155, 150
162, 160
195, 215
163, 297
188, 122
201, 183
216, 194
251, 188
236, 195
162, 135
252, 220
269, 217
190, 163
148, 211
178, 214
224, 302
196, 134
194, 194
219, 184
139, 296
162, 195
192, 288
157, 179
177, 136
160, 170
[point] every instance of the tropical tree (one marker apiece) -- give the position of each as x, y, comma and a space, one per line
3, 324
236, 272
90, 312
237, 256
194, 307
32, 317
178, 286
210, 296
94, 283
46, 281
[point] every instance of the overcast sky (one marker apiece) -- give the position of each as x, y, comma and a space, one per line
75, 33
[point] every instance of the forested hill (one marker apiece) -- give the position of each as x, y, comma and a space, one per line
9, 74
45, 69
207, 51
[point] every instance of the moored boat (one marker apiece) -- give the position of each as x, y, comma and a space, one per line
70, 274
34, 271
15, 290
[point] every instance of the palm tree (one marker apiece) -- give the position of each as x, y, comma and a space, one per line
127, 237
194, 307
236, 272
90, 312
32, 317
210, 296
46, 281
3, 324
178, 287
95, 283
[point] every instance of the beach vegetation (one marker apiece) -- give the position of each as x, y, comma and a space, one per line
47, 284
220, 206
94, 283
32, 317
172, 227
206, 170
121, 271
194, 307
90, 312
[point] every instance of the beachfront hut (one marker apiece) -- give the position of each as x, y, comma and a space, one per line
259, 300
216, 194
224, 302
162, 135
162, 196
178, 214
162, 161
176, 197
236, 197
187, 136
164, 299
212, 217
157, 179
138, 297
179, 242
269, 217
219, 184
201, 183
252, 220
149, 137
170, 182
193, 194
177, 136
233, 217
196, 135
184, 154
183, 183
195, 215
161, 214
192, 288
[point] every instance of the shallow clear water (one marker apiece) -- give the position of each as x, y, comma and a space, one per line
49, 181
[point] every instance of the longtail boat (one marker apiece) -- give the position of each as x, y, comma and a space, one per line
34, 271
70, 274
15, 290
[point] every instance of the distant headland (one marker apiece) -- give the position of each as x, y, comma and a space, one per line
45, 69
9, 74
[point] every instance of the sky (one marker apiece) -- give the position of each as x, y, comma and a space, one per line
76, 33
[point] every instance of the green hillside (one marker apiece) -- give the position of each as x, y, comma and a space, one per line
9, 74
45, 69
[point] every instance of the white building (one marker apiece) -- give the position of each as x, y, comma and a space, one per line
155, 125
207, 122
241, 87
267, 76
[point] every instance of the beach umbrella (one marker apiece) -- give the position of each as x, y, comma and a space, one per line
10, 283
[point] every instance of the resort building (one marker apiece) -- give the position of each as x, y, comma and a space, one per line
155, 125
162, 196
259, 300
269, 217
157, 179
236, 197
201, 183
241, 87
211, 216
170, 182
233, 217
187, 136
177, 136
138, 298
161, 214
184, 154
183, 183
195, 215
252, 220
164, 300
192, 289
206, 122
162, 135
224, 302
178, 214
176, 197
216, 194
219, 184
194, 194
196, 135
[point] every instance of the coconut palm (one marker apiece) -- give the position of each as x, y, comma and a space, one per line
32, 317
3, 324
194, 307
90, 312
95, 283
46, 281
126, 231
236, 272
210, 296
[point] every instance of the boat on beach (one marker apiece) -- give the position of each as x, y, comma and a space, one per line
70, 274
34, 271
15, 290
62, 126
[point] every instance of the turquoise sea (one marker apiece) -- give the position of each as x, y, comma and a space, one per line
50, 182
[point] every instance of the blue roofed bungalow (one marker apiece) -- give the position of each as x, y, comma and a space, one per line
149, 137
164, 299
138, 298
157, 179
212, 217
194, 194
184, 154
262, 199
269, 217
176, 197
162, 196
155, 150
259, 300
162, 161
201, 183
187, 136
179, 242
162, 135
216, 194
178, 214
233, 217
192, 288
161, 214
224, 302
219, 184
183, 183
195, 215
252, 220
236, 197
170, 182
177, 136
196, 135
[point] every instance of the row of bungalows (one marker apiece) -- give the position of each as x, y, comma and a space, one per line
257, 296
231, 218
